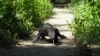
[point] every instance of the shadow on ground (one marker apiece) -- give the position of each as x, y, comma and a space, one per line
34, 50
41, 48
96, 51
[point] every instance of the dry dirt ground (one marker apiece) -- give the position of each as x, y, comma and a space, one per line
66, 47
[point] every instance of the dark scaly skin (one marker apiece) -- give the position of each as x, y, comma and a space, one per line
48, 30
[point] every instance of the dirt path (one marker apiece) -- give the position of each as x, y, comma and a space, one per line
43, 48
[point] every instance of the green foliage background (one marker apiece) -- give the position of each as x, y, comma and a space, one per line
42, 10
18, 18
86, 25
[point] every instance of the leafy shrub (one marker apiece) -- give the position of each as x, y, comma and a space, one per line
18, 18
86, 25
6, 38
41, 10
13, 21
24, 18
6, 24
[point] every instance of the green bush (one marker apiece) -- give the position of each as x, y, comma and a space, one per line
86, 25
7, 39
41, 10
6, 22
19, 17
24, 23
13, 21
